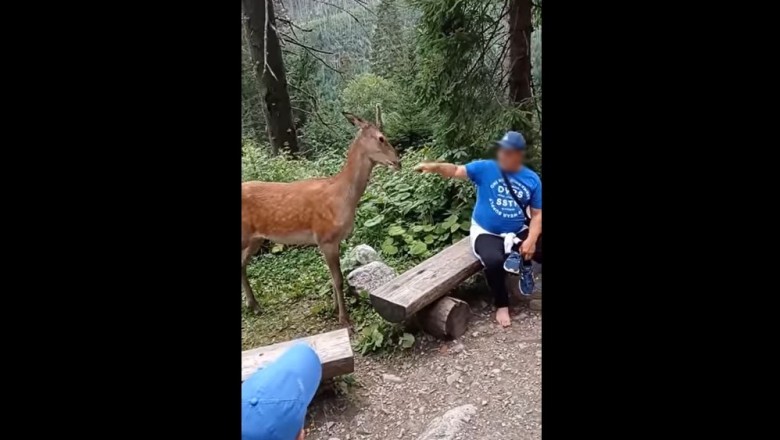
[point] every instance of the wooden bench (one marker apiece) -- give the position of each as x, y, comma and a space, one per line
333, 349
425, 284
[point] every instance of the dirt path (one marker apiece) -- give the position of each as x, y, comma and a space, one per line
496, 370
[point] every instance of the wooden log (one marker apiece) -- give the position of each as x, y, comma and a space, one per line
446, 318
408, 293
333, 349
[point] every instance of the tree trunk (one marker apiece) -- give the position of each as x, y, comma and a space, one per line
269, 70
520, 29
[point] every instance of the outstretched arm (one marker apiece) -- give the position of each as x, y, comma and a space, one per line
443, 169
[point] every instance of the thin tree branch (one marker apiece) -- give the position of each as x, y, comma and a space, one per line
313, 98
292, 40
325, 63
292, 24
365, 6
339, 8
265, 45
317, 114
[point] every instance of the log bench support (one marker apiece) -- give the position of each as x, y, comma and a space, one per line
446, 318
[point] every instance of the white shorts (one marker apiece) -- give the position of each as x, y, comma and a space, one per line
476, 230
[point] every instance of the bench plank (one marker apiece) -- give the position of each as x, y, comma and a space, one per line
333, 349
409, 292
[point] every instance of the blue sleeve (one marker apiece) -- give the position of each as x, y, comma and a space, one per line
476, 170
536, 196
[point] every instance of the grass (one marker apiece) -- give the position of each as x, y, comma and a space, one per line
293, 288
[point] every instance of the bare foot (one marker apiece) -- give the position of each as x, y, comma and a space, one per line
502, 316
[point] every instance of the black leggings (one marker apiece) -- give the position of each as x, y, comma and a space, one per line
490, 249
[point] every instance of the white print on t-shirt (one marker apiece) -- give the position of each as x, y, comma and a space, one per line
502, 203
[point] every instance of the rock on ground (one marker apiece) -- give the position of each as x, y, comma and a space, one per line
371, 276
447, 426
392, 378
362, 254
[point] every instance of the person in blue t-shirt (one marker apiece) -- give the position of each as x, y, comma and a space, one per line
498, 224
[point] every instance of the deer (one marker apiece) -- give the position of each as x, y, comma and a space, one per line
317, 211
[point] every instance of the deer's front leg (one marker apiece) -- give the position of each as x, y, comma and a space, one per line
331, 253
246, 255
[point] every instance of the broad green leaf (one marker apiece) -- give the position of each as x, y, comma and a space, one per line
429, 228
428, 239
395, 230
465, 225
379, 338
389, 249
418, 248
407, 340
388, 241
454, 227
403, 187
417, 228
374, 221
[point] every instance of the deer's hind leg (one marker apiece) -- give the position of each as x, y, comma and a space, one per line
247, 252
331, 253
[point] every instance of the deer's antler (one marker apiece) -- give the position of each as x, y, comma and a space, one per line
378, 117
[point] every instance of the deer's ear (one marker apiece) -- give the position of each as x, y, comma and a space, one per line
354, 120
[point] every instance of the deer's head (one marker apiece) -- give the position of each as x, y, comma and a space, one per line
371, 139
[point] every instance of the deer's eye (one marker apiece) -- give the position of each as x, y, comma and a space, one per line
382, 139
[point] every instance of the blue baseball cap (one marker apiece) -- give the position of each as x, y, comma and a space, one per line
512, 140
274, 400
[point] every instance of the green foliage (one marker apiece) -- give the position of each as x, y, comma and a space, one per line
332, 133
460, 48
404, 122
392, 45
536, 62
374, 334
252, 119
344, 383
365, 91
409, 216
258, 164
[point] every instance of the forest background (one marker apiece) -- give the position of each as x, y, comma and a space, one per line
451, 76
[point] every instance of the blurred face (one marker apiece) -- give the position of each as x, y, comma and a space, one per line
510, 160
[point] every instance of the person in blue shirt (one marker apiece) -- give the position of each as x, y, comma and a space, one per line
274, 399
498, 224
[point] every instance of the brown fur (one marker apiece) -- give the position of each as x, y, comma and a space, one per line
314, 211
